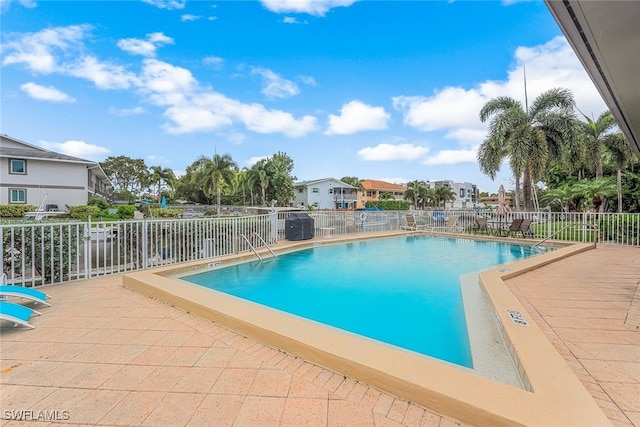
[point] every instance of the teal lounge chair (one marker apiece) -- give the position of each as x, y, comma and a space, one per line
21, 292
16, 313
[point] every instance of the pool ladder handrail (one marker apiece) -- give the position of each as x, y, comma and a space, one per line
265, 244
581, 224
253, 247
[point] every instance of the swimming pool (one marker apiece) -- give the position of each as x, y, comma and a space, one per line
403, 291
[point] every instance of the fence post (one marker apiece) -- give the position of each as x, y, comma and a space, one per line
145, 253
274, 227
235, 236
86, 242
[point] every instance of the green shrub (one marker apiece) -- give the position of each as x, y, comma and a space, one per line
83, 212
15, 211
165, 213
98, 201
126, 211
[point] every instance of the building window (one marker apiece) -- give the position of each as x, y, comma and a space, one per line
300, 190
315, 190
17, 195
331, 191
462, 193
18, 166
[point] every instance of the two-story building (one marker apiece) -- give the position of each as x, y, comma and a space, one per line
46, 179
326, 193
373, 189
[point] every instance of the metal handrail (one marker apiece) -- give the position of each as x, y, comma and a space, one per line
265, 244
594, 227
251, 246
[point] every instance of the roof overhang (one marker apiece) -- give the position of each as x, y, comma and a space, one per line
606, 38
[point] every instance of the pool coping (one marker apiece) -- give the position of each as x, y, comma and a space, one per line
554, 396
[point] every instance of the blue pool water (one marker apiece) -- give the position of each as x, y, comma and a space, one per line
401, 291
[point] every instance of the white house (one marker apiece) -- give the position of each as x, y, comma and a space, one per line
43, 178
327, 193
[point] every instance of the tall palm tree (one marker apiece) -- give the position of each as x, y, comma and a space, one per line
414, 192
618, 148
444, 194
218, 169
263, 179
595, 135
528, 137
159, 177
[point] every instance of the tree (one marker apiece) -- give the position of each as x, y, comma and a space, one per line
564, 196
263, 179
598, 191
126, 174
386, 195
159, 177
218, 170
595, 135
415, 192
276, 183
444, 194
617, 147
529, 138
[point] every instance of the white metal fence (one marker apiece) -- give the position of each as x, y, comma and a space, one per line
44, 253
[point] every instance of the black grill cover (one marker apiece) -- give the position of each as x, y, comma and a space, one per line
298, 226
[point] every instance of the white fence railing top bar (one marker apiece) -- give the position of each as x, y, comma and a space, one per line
43, 253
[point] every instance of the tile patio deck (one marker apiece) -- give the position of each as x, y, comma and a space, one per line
109, 356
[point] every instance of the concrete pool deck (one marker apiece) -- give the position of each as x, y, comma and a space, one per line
110, 356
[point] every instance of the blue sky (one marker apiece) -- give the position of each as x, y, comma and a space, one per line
386, 90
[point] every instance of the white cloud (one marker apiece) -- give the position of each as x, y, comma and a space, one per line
188, 106
167, 4
127, 111
45, 93
252, 161
162, 77
311, 7
275, 86
36, 51
292, 20
388, 152
308, 80
103, 75
215, 61
78, 149
189, 17
456, 109
451, 157
146, 47
356, 116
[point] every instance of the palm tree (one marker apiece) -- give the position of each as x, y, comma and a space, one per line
414, 191
444, 194
218, 169
564, 196
159, 177
618, 148
595, 135
263, 179
598, 190
529, 138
